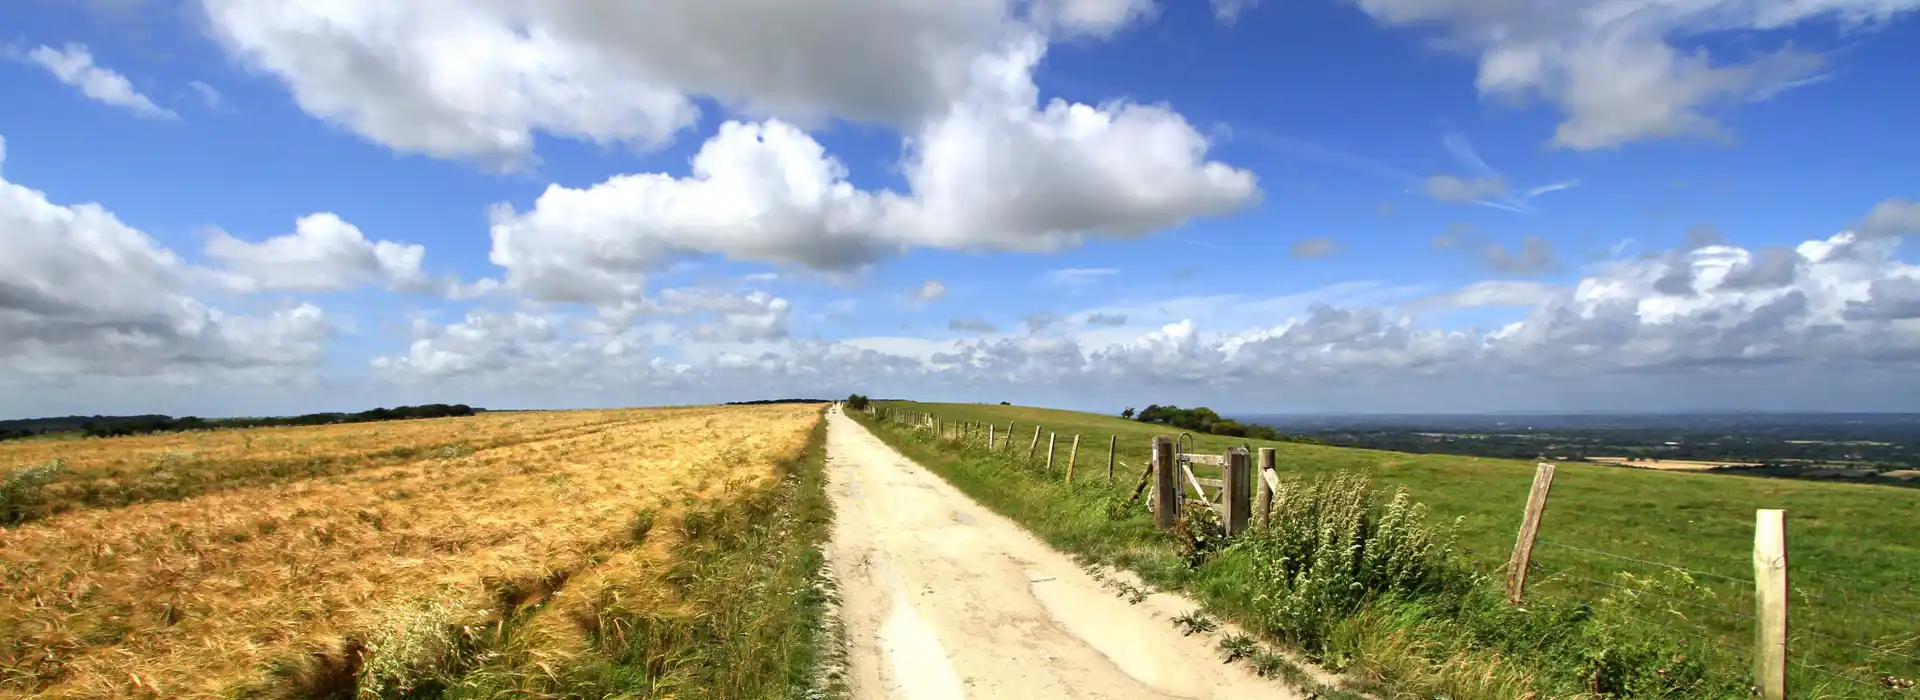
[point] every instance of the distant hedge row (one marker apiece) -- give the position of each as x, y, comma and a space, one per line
110, 426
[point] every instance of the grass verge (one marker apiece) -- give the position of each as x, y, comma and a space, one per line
1364, 582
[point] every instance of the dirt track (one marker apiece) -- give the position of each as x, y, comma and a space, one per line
942, 598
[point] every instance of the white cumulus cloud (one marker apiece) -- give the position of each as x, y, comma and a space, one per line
998, 172
82, 293
324, 253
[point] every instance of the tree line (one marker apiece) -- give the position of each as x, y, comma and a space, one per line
1201, 419
113, 426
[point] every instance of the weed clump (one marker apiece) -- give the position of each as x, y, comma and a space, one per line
1194, 621
22, 492
420, 649
1341, 547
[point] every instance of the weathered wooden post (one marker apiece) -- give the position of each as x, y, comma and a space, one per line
1113, 443
990, 436
1009, 442
1073, 456
1529, 530
1239, 486
1050, 437
1031, 446
1166, 484
1263, 506
1770, 603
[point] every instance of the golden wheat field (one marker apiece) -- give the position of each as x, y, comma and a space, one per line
256, 562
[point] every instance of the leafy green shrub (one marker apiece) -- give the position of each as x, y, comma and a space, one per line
1337, 546
22, 492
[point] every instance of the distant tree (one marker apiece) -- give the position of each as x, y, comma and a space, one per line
1003, 403
857, 402
1127, 414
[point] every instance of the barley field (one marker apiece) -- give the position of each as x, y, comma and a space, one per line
386, 560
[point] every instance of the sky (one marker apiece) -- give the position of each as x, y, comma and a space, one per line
264, 207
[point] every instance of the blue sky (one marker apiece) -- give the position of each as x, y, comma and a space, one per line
1384, 205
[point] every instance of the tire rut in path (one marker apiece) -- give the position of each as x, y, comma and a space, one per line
942, 598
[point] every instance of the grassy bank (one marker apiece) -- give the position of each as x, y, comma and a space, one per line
1593, 619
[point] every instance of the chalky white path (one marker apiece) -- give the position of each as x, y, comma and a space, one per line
944, 599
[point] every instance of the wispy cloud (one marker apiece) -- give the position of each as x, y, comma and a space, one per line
1076, 277
73, 64
208, 95
1313, 248
1553, 187
1488, 294
929, 291
1228, 11
972, 325
1484, 185
1291, 147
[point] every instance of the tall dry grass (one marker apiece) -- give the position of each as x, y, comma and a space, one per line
373, 577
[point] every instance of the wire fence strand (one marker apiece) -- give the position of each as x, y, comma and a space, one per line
1910, 586
1846, 603
1611, 555
1822, 671
1856, 644
1568, 573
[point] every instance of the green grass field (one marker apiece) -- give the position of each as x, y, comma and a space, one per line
1854, 550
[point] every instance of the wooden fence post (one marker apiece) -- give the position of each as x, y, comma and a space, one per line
1050, 437
1529, 530
1073, 456
1770, 603
1238, 498
1031, 446
1113, 443
1166, 484
1263, 505
990, 436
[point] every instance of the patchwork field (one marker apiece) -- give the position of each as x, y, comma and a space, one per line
1677, 465
459, 556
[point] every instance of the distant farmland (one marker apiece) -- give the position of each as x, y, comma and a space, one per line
486, 555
